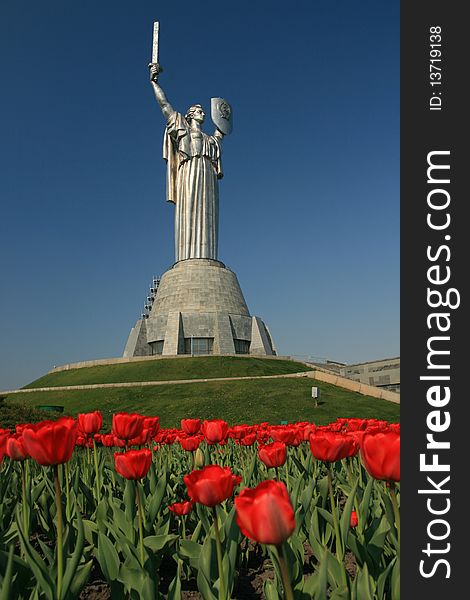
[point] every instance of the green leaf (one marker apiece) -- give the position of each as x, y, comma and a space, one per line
233, 538
340, 593
323, 489
74, 560
157, 543
296, 491
156, 499
204, 587
132, 578
208, 559
382, 580
317, 584
337, 573
201, 512
395, 580
197, 531
81, 577
107, 557
8, 576
38, 567
346, 516
174, 589
363, 585
38, 490
377, 541
124, 525
270, 590
326, 515
306, 496
247, 476
129, 500
149, 588
365, 503
90, 531
190, 549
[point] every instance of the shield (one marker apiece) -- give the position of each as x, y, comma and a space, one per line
221, 113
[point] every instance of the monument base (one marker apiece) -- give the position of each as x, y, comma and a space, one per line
199, 308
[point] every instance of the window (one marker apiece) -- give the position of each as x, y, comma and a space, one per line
156, 347
198, 345
242, 346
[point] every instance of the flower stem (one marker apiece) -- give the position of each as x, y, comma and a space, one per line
396, 509
218, 545
25, 507
339, 543
59, 549
141, 531
97, 476
288, 593
66, 474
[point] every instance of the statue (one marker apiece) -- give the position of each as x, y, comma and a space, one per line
197, 306
193, 170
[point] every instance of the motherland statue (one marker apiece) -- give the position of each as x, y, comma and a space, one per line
193, 170
197, 306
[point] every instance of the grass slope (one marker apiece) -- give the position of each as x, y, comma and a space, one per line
251, 401
204, 367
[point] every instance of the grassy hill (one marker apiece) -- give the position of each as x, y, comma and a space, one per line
248, 401
169, 369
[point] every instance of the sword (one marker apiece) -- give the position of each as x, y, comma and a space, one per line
156, 30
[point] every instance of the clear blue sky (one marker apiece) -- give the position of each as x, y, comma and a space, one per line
310, 198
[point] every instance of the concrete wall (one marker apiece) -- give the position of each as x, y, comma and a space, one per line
355, 386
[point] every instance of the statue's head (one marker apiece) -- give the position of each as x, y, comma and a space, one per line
195, 112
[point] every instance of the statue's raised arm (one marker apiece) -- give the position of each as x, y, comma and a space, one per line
166, 107
194, 168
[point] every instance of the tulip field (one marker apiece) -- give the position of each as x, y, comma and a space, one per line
208, 510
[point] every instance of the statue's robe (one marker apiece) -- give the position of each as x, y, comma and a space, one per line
193, 169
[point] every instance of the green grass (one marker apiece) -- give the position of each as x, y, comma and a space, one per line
251, 401
171, 369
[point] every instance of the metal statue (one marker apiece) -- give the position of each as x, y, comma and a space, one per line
193, 168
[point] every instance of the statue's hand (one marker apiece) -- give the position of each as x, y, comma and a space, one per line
155, 70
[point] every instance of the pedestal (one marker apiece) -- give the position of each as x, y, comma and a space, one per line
199, 308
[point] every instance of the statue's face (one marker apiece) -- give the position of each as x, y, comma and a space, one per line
198, 115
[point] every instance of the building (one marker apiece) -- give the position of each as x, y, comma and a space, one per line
384, 373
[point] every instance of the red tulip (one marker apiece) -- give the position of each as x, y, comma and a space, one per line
237, 432
380, 454
248, 440
51, 442
237, 479
191, 426
285, 434
4, 435
127, 425
107, 440
265, 513
181, 508
273, 455
353, 521
15, 448
210, 485
215, 430
90, 423
133, 464
331, 446
143, 438
153, 424
190, 443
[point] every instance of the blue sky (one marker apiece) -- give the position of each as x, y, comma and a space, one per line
309, 201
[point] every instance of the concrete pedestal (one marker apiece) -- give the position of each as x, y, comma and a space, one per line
199, 303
